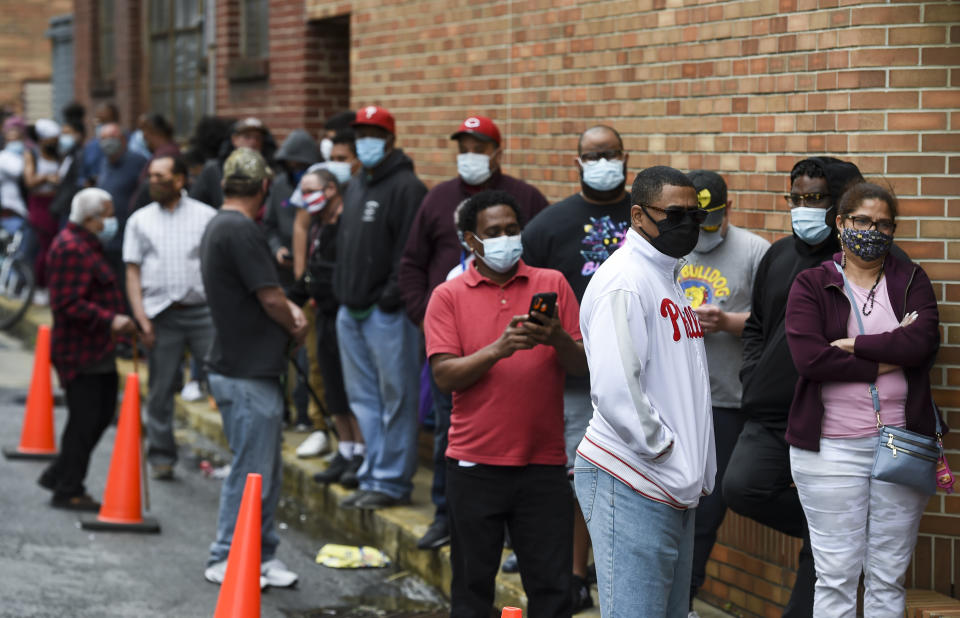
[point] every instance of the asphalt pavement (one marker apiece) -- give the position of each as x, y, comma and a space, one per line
49, 566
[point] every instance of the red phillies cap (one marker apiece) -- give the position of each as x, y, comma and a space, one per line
376, 116
480, 127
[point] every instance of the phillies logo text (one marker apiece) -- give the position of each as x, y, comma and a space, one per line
691, 325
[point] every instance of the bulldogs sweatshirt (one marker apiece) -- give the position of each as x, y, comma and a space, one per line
652, 425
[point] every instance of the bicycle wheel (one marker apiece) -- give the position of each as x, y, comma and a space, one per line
16, 291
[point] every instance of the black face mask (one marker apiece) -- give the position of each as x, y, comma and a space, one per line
679, 231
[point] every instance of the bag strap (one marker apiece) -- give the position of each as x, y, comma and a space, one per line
874, 395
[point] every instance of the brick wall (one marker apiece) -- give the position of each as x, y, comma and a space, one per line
24, 47
307, 69
744, 87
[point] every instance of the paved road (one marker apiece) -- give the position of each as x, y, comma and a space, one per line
51, 567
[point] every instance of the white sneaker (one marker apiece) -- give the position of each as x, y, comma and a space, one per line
191, 391
315, 444
216, 572
277, 574
41, 297
693, 614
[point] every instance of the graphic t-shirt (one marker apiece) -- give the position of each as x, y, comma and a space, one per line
724, 277
575, 237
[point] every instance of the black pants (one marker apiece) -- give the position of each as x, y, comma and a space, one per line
536, 505
758, 485
727, 424
91, 403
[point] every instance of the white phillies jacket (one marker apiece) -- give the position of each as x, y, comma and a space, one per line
652, 425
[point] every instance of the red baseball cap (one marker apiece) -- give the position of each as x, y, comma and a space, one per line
375, 116
480, 127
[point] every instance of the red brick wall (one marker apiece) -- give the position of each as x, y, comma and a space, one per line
744, 87
24, 47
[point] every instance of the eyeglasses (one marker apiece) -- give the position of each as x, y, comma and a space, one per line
799, 199
593, 157
676, 214
862, 224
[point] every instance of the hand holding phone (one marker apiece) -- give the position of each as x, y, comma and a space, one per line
545, 303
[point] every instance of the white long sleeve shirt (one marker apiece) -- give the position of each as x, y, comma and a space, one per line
652, 425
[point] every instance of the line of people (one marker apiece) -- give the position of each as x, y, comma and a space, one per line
672, 364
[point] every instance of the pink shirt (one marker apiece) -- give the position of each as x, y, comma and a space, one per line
513, 415
848, 407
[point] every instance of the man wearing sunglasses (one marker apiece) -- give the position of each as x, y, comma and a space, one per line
648, 454
717, 280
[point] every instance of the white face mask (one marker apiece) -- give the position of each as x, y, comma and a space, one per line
326, 148
501, 253
603, 175
473, 168
810, 224
340, 169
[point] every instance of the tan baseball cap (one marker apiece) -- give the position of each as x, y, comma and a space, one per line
246, 164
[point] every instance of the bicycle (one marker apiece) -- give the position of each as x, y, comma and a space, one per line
16, 280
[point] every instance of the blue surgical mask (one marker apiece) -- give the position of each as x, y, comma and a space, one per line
501, 253
15, 147
66, 143
371, 150
603, 175
109, 230
340, 169
473, 168
809, 224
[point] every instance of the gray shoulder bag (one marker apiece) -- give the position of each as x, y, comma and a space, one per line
903, 457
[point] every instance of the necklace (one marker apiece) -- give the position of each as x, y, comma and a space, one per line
872, 294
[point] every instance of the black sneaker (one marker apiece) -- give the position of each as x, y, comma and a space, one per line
438, 535
334, 471
372, 500
350, 502
510, 564
349, 478
580, 591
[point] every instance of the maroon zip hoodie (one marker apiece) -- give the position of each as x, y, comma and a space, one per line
817, 313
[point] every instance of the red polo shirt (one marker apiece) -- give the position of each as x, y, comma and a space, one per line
513, 415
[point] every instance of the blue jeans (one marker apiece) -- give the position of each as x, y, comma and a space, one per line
643, 549
381, 372
252, 412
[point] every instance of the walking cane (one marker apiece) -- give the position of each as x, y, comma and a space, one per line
143, 445
323, 409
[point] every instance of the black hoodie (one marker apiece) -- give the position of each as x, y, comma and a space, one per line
378, 210
768, 374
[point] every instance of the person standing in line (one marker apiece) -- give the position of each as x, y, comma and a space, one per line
42, 177
576, 236
433, 249
88, 314
161, 250
648, 454
379, 345
254, 328
247, 133
717, 280
852, 377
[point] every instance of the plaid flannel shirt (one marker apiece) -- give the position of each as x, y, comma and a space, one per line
84, 298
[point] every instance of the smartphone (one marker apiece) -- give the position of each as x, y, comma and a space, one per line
545, 302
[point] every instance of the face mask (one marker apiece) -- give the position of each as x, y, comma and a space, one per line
501, 253
139, 144
603, 175
109, 230
111, 146
97, 130
675, 239
340, 169
473, 168
66, 143
326, 148
809, 224
162, 192
15, 147
868, 245
708, 241
371, 150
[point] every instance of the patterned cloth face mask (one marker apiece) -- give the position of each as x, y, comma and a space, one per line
868, 245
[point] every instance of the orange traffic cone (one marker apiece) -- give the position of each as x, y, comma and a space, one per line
120, 509
511, 612
36, 439
240, 592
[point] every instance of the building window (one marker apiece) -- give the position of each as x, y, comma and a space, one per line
254, 29
105, 41
177, 62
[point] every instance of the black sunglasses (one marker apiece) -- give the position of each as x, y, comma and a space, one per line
676, 214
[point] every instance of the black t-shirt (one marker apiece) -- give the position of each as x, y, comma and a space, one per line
235, 262
575, 237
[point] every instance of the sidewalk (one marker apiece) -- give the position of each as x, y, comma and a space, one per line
315, 507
